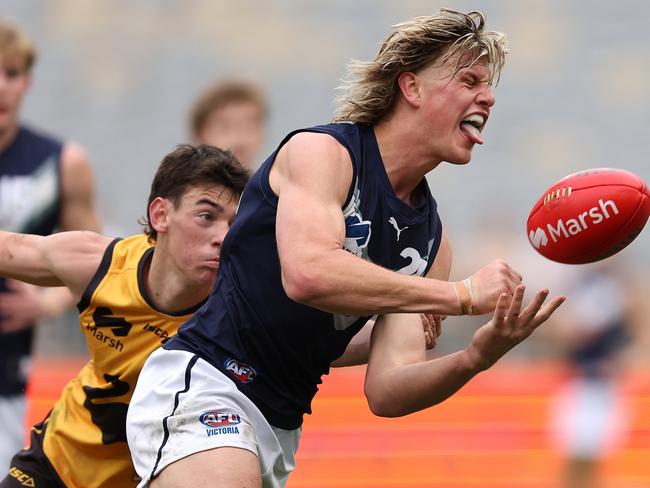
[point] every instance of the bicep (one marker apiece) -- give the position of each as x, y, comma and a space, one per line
312, 175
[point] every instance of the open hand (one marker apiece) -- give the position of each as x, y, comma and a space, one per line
510, 325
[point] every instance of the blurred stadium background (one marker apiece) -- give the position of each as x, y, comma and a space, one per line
119, 77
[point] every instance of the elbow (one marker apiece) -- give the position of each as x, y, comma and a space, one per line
302, 286
382, 408
381, 404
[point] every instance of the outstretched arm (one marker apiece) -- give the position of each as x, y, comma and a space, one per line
400, 381
64, 259
312, 175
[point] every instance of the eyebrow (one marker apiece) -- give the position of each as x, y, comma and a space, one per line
212, 204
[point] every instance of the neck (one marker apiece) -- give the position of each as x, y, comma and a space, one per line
405, 160
7, 136
168, 288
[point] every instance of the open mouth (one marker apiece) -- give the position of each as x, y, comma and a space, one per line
471, 126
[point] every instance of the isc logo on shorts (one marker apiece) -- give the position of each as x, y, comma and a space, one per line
217, 423
240, 371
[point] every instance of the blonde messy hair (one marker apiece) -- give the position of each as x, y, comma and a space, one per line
14, 42
370, 88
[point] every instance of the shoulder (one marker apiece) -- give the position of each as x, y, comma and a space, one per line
314, 161
319, 144
74, 157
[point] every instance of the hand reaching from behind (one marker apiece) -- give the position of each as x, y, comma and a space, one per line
479, 293
432, 325
20, 306
509, 326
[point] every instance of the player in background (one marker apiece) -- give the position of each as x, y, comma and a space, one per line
594, 333
132, 295
45, 185
336, 226
232, 115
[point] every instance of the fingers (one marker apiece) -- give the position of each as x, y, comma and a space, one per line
501, 309
429, 334
515, 304
548, 310
432, 325
512, 277
515, 276
535, 304
437, 322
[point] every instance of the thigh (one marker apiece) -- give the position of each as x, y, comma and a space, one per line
222, 467
183, 407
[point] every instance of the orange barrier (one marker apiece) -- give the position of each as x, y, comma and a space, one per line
493, 433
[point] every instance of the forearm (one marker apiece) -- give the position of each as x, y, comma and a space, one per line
409, 388
339, 282
358, 349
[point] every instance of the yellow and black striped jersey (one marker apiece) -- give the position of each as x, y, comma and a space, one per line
85, 440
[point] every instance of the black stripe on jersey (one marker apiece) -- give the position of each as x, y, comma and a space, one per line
188, 376
146, 257
99, 276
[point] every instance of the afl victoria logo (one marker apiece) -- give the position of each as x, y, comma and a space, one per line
219, 419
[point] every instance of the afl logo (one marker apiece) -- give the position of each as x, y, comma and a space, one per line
219, 419
240, 371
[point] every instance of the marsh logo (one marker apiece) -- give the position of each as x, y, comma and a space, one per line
240, 371
571, 227
538, 238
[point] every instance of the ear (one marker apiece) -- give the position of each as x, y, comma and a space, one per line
409, 85
159, 214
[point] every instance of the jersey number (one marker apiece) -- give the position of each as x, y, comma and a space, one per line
417, 265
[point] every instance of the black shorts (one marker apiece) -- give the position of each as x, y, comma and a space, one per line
30, 467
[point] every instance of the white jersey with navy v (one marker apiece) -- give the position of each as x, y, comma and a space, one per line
275, 349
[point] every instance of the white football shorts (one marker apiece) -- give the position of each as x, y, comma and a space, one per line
183, 405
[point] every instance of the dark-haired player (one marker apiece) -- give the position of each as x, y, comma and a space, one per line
133, 293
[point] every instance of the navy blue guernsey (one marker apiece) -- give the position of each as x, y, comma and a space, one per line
29, 203
276, 349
